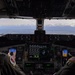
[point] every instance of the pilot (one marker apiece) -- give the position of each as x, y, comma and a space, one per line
7, 64
68, 68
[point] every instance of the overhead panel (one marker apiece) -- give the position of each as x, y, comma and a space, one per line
39, 8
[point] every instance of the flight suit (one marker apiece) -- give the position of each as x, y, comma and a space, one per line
7, 68
68, 68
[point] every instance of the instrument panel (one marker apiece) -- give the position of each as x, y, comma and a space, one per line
39, 53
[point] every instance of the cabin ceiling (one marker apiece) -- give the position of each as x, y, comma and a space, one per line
37, 8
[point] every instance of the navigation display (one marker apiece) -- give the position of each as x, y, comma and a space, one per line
12, 50
65, 52
41, 52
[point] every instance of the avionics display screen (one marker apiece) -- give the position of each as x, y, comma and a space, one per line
65, 52
12, 50
39, 52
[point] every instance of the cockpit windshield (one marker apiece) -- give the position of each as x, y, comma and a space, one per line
27, 26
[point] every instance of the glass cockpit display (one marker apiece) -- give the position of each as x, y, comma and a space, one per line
12, 51
40, 52
65, 53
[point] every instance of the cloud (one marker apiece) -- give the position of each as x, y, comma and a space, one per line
61, 22
8, 22
53, 22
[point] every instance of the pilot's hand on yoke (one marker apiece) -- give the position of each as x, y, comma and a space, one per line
68, 68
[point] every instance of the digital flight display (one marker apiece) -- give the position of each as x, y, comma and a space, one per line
12, 50
65, 52
41, 52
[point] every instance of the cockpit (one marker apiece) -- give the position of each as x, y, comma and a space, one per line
36, 37
35, 50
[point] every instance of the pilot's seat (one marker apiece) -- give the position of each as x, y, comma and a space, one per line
6, 68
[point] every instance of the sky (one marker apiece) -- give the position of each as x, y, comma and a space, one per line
27, 26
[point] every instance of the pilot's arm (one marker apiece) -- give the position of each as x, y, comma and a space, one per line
15, 67
68, 69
